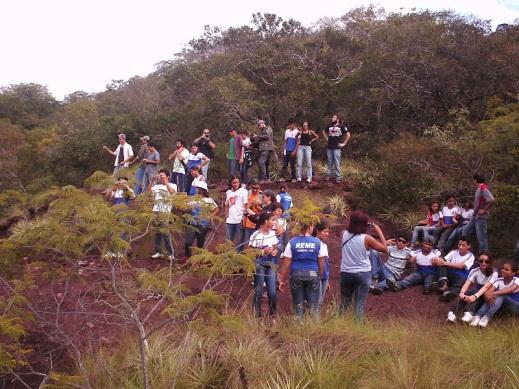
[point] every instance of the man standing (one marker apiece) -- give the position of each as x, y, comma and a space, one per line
139, 173
206, 146
235, 203
195, 159
483, 200
151, 163
266, 147
234, 153
179, 157
123, 153
162, 210
290, 150
337, 136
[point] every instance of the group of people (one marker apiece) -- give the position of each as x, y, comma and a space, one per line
241, 150
440, 247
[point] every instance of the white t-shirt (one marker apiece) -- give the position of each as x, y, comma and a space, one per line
178, 167
466, 215
195, 157
291, 138
127, 153
426, 260
260, 240
436, 217
476, 276
236, 200
118, 194
455, 257
161, 195
449, 214
500, 283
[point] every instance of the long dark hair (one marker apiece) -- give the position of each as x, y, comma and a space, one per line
321, 226
490, 269
358, 222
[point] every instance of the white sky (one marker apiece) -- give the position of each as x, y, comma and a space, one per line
72, 45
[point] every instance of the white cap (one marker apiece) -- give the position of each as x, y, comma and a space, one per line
200, 184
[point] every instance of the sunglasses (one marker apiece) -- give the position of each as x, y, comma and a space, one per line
483, 261
255, 188
402, 241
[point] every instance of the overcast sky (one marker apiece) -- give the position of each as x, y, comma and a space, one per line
72, 45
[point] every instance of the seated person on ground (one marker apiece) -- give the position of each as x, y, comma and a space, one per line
470, 299
430, 225
392, 267
454, 270
505, 287
466, 212
449, 221
425, 273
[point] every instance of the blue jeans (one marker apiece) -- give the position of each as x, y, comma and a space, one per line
511, 305
427, 231
454, 237
205, 170
247, 233
305, 286
235, 230
147, 177
234, 168
334, 163
461, 306
304, 156
477, 225
490, 310
263, 162
139, 175
163, 235
354, 286
322, 290
179, 179
417, 278
455, 280
265, 274
380, 271
244, 173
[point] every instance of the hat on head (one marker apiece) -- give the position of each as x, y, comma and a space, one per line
146, 138
200, 184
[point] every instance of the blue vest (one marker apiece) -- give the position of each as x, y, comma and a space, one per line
305, 251
285, 200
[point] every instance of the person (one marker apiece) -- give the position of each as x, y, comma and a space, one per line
202, 211
121, 193
507, 286
322, 232
430, 225
194, 159
234, 153
304, 152
464, 217
393, 268
206, 146
179, 171
483, 201
453, 270
123, 154
252, 210
151, 162
426, 272
285, 199
355, 278
162, 190
279, 226
290, 150
337, 136
268, 200
235, 202
265, 147
139, 173
478, 282
449, 221
196, 176
247, 158
265, 240
303, 258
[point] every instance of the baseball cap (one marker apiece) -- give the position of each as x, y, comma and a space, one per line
200, 184
146, 138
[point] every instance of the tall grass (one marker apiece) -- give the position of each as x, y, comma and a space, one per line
333, 353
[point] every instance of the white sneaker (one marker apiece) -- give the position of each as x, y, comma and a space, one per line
451, 317
483, 322
467, 317
109, 254
171, 257
156, 256
475, 321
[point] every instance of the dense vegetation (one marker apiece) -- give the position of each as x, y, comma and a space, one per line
429, 97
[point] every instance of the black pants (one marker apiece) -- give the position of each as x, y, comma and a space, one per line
289, 159
195, 232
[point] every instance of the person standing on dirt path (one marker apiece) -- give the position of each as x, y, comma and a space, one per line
206, 146
266, 149
290, 150
123, 154
355, 278
179, 158
235, 203
139, 173
337, 136
234, 153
